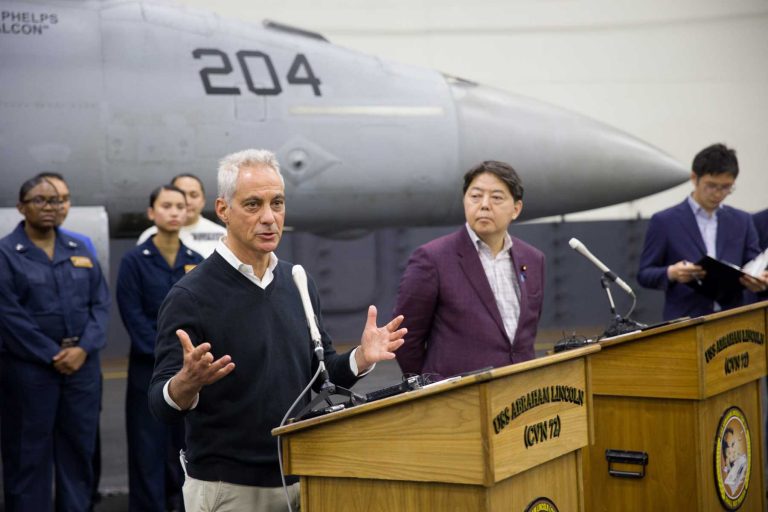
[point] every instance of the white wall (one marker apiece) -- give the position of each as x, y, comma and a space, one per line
678, 74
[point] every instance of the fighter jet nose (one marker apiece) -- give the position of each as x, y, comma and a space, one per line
567, 161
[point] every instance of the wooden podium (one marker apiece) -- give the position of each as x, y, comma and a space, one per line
687, 396
506, 439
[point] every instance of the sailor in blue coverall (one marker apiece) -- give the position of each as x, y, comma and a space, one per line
58, 181
146, 274
62, 187
54, 308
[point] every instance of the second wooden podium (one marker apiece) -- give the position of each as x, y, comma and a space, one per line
506, 439
677, 416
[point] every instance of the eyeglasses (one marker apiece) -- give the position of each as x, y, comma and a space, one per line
40, 201
725, 189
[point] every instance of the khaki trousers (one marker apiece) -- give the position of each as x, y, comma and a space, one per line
204, 496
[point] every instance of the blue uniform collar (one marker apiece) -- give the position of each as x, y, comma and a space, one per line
149, 250
64, 245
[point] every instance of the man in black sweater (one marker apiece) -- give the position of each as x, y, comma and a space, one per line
241, 307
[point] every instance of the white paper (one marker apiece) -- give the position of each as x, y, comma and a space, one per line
756, 266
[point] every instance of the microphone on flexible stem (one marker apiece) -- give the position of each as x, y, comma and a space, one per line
300, 278
619, 325
327, 388
579, 247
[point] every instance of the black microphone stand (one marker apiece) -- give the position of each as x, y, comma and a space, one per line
618, 324
327, 390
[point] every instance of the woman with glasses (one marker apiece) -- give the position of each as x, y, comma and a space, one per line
146, 274
54, 306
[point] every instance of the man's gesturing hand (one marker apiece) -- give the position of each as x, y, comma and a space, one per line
199, 370
379, 343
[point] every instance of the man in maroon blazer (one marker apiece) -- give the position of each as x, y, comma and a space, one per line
473, 298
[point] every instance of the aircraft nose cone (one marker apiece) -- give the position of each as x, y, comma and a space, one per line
567, 162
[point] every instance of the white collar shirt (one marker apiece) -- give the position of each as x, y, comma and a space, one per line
499, 272
707, 223
245, 269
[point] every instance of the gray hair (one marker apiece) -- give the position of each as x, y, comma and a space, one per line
230, 165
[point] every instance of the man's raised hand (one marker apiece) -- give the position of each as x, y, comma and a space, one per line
379, 343
199, 369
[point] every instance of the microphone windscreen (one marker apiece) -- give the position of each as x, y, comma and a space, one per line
300, 279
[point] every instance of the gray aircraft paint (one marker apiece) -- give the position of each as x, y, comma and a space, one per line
119, 96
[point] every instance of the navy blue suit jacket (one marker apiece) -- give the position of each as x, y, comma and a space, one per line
673, 235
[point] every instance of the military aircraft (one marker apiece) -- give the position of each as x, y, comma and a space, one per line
121, 95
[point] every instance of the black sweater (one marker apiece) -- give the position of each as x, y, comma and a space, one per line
265, 332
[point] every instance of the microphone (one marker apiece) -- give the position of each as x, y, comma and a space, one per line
581, 249
300, 279
327, 388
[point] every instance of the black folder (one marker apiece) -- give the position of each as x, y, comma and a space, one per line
722, 279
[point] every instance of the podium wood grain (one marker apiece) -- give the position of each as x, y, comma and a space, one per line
439, 448
664, 392
355, 495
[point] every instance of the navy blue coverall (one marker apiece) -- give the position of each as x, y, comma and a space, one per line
154, 472
49, 419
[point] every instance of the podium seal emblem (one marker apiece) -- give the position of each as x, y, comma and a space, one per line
541, 505
733, 458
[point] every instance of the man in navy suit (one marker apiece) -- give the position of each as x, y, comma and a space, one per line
473, 298
700, 225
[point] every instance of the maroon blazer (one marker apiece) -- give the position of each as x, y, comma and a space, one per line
454, 325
